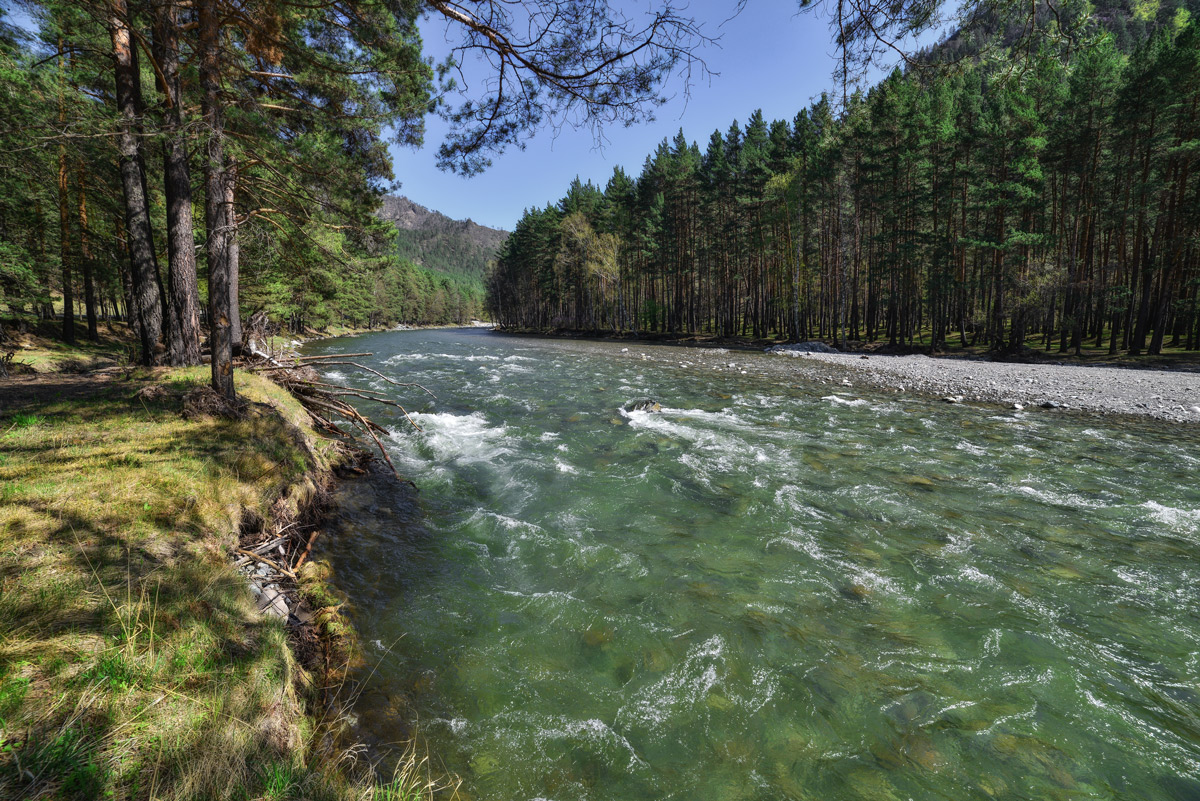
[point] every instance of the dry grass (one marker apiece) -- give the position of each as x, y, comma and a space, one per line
37, 351
132, 661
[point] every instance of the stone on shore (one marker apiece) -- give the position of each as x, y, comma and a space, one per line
812, 346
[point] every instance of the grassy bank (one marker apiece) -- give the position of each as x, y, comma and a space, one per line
133, 663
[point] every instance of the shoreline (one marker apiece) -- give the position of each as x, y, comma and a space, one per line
1166, 395
128, 584
1131, 391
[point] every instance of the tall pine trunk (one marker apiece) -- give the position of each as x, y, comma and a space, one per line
147, 290
183, 347
64, 213
85, 257
216, 217
229, 185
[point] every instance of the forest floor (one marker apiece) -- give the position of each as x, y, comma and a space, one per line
133, 660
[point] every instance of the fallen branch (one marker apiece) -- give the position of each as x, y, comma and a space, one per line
269, 563
323, 400
307, 550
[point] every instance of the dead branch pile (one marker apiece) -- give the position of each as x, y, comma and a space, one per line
328, 404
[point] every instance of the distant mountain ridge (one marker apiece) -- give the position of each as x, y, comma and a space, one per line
434, 241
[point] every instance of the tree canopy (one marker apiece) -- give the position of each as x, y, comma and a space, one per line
276, 117
1055, 205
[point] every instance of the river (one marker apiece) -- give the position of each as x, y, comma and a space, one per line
771, 589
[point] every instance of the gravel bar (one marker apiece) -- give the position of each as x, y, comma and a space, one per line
1161, 394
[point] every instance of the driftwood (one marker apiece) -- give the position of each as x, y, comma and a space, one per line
268, 562
307, 549
327, 404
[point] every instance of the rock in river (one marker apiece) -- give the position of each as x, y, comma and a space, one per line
643, 405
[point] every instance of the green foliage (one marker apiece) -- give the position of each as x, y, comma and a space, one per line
112, 671
1054, 193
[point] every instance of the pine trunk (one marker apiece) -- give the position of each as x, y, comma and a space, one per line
184, 295
147, 291
85, 258
216, 219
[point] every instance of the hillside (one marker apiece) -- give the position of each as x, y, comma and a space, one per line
434, 241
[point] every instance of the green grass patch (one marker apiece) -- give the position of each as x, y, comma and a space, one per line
133, 664
22, 420
132, 661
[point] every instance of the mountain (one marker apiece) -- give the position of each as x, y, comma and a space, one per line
460, 248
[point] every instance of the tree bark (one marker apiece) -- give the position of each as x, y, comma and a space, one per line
147, 289
229, 186
64, 213
216, 221
183, 347
85, 258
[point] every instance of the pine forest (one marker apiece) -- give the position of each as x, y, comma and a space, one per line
1047, 203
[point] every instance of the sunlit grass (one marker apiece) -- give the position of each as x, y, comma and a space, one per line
132, 661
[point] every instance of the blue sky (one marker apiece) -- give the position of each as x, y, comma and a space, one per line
769, 57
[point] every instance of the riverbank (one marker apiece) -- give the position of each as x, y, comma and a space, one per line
135, 662
1159, 394
1135, 388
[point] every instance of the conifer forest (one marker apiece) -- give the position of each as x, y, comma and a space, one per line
1049, 199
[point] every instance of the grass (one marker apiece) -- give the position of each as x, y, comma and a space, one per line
37, 350
133, 664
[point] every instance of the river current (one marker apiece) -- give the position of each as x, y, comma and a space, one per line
771, 589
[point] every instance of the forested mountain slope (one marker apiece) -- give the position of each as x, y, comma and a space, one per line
433, 240
1045, 197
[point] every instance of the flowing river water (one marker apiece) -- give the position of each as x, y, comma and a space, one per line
774, 588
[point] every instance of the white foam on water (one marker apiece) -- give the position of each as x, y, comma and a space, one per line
877, 582
799, 540
401, 358
1178, 520
723, 417
524, 403
563, 467
518, 368
967, 447
685, 685
655, 421
1058, 498
548, 436
549, 732
838, 400
504, 521
700, 467
461, 437
974, 574
789, 496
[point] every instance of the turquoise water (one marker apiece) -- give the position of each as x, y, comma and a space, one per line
772, 589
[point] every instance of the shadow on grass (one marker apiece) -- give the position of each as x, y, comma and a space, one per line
146, 664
